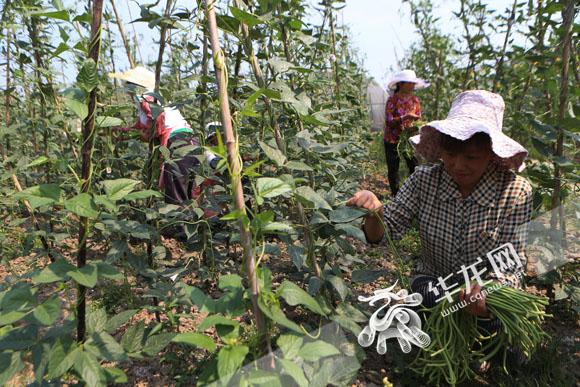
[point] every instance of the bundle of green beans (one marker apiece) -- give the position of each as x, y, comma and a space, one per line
456, 342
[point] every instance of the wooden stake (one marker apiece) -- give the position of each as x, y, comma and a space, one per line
234, 161
87, 164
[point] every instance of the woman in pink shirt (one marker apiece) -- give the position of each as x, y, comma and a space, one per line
401, 111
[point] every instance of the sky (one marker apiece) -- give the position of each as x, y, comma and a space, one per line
381, 30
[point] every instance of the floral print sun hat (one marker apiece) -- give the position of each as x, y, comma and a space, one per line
471, 112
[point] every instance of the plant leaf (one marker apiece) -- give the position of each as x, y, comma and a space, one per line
273, 154
230, 359
88, 77
317, 350
119, 188
311, 198
270, 187
295, 295
346, 214
195, 339
47, 312
82, 205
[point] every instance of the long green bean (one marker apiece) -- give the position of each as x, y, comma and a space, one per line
456, 342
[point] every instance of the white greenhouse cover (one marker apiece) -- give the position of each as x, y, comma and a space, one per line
377, 99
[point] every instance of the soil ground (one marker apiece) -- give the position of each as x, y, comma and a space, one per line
165, 369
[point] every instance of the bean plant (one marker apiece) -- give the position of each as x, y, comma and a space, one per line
262, 291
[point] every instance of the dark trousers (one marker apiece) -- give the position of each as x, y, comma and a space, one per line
178, 171
393, 161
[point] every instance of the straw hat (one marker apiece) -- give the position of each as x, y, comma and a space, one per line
471, 112
407, 76
139, 76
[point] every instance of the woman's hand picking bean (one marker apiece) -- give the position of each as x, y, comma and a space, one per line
475, 301
366, 200
373, 226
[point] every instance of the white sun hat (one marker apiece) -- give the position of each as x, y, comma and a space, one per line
139, 76
472, 112
407, 76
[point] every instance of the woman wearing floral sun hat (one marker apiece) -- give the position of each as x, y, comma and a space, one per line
401, 111
468, 202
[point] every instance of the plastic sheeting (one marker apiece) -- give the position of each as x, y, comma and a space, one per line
376, 99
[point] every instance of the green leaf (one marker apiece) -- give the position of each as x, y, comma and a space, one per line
347, 323
233, 215
352, 231
225, 327
82, 205
367, 276
105, 347
11, 317
197, 297
40, 195
56, 271
10, 365
144, 194
346, 214
298, 255
251, 101
228, 23
133, 338
19, 297
195, 339
339, 285
230, 359
38, 161
59, 15
273, 312
90, 370
311, 198
295, 295
80, 108
317, 350
107, 122
108, 271
117, 320
102, 200
270, 187
47, 312
280, 65
157, 343
295, 371
86, 276
96, 320
245, 17
544, 149
119, 188
290, 344
230, 281
115, 375
59, 365
88, 77
298, 166
273, 154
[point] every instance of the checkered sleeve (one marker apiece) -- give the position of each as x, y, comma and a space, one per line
515, 229
399, 213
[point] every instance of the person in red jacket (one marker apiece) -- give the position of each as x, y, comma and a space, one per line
401, 111
172, 130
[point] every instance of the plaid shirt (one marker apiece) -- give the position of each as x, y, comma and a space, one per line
456, 231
